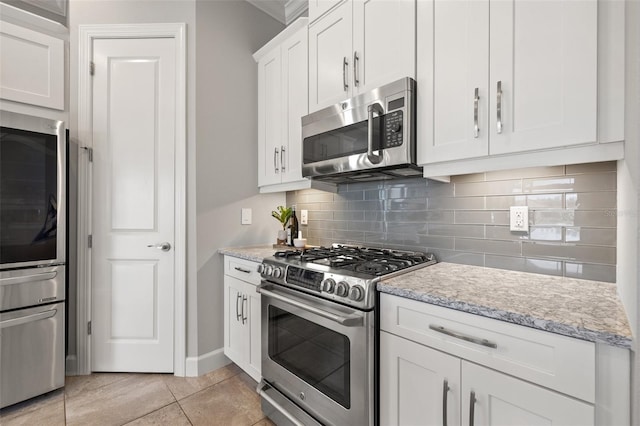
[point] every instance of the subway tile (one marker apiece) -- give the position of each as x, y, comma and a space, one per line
591, 200
545, 201
470, 231
487, 246
538, 266
365, 205
595, 218
320, 215
406, 228
349, 196
588, 271
435, 242
363, 186
373, 214
349, 216
407, 191
440, 189
573, 183
366, 226
605, 166
503, 202
349, 236
552, 217
503, 187
371, 238
440, 216
406, 204
544, 266
335, 206
530, 172
566, 251
484, 216
457, 203
406, 216
591, 236
545, 233
375, 194
501, 232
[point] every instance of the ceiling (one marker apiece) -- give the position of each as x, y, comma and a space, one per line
285, 11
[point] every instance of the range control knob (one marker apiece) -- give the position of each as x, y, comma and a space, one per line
356, 293
328, 285
261, 268
277, 272
396, 127
342, 288
268, 270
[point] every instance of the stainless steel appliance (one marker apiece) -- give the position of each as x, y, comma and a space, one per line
318, 332
369, 137
32, 256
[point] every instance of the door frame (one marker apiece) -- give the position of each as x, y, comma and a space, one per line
87, 34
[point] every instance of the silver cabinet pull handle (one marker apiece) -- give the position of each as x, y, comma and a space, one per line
345, 65
246, 271
476, 340
275, 159
238, 314
445, 393
282, 150
27, 319
244, 303
373, 108
472, 408
356, 82
162, 246
476, 101
499, 107
28, 278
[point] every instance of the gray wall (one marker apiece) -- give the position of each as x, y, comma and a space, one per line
228, 32
572, 213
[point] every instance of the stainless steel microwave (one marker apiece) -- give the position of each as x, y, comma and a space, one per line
369, 137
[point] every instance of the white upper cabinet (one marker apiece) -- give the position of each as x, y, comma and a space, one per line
31, 67
282, 101
358, 46
318, 7
498, 78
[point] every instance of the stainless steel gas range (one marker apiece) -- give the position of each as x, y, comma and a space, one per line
319, 330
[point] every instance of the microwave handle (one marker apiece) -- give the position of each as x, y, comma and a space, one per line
373, 108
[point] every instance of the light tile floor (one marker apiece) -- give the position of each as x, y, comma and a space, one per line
226, 396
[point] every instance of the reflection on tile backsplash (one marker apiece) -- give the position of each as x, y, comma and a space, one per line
572, 218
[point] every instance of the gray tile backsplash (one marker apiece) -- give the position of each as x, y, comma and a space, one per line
572, 218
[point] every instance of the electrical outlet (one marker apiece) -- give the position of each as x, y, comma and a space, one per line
246, 217
304, 217
519, 218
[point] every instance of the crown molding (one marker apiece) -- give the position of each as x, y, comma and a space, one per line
295, 8
284, 11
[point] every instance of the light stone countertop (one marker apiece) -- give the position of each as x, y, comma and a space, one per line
253, 253
588, 310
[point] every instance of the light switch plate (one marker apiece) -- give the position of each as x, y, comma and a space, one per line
519, 218
246, 217
304, 217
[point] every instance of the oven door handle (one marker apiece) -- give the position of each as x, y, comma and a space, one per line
262, 387
348, 321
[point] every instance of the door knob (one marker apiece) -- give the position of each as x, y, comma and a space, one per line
162, 246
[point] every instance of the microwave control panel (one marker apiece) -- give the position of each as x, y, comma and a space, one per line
393, 129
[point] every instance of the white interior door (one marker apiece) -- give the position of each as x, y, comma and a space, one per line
134, 127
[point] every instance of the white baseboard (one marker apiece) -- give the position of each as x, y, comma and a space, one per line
197, 366
71, 366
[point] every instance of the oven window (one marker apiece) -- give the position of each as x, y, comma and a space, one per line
342, 142
315, 354
28, 196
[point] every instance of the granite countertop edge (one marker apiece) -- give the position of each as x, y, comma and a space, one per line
252, 253
511, 317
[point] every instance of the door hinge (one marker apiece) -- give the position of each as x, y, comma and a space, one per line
89, 152
92, 68
90, 241
89, 327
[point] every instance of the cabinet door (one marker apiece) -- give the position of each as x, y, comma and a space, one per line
295, 86
544, 56
505, 400
412, 384
270, 118
330, 58
384, 42
454, 74
235, 332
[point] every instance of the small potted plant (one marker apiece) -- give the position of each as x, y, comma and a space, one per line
283, 214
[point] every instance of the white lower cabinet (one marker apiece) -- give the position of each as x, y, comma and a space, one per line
242, 329
439, 366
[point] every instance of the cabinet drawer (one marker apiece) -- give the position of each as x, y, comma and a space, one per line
244, 270
557, 362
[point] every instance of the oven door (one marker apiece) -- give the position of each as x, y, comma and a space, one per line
318, 354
